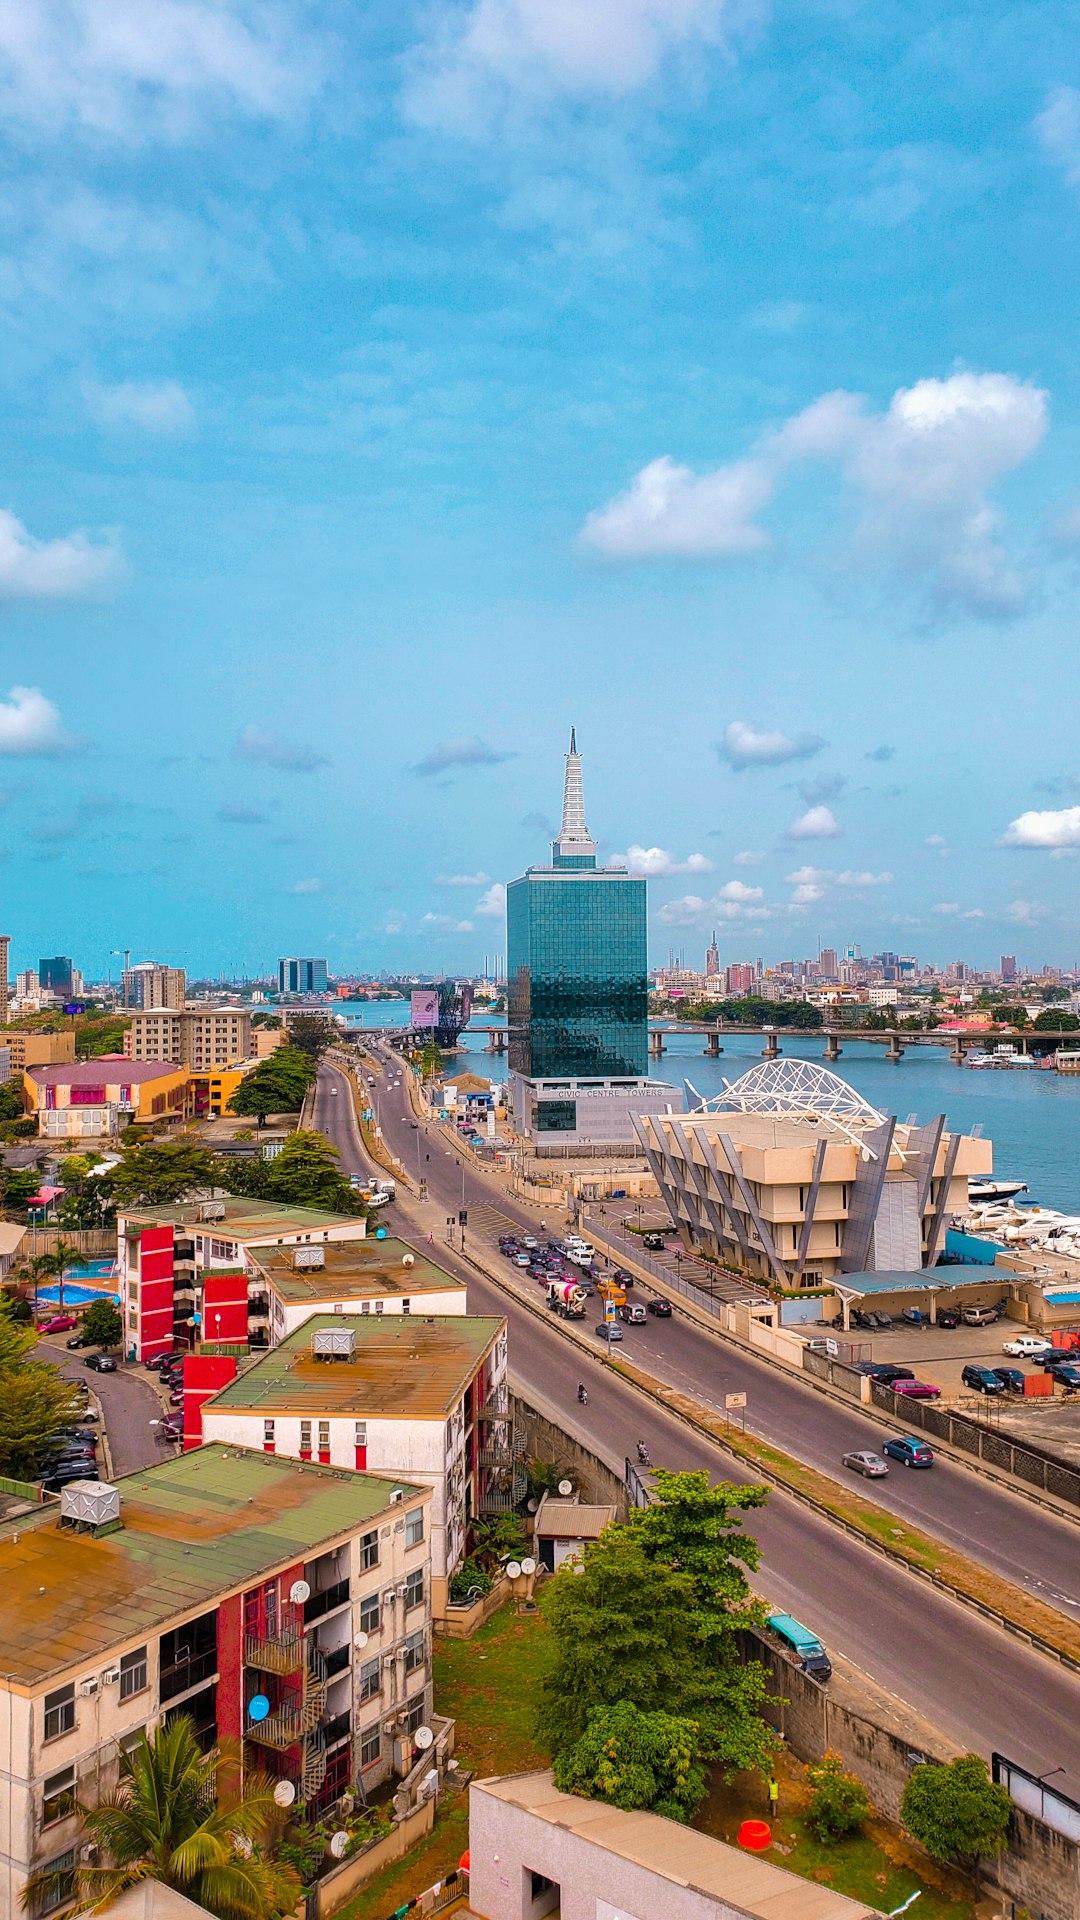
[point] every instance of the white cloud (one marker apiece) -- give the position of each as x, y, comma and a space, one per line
30, 726
738, 891
492, 904
51, 569
733, 901
807, 894
1058, 130
302, 887
465, 751
469, 880
1051, 829
1027, 913
128, 68
393, 924
748, 858
938, 844
445, 923
159, 406
817, 823
656, 864
744, 746
686, 912
272, 750
853, 879
920, 473
808, 877
480, 59
951, 909
669, 510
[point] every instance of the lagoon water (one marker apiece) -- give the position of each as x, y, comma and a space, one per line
1032, 1117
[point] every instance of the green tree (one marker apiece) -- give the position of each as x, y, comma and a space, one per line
1051, 1020
11, 1100
839, 1802
431, 1061
18, 1186
654, 1618
104, 1035
155, 1173
1012, 1017
306, 1174
312, 1033
497, 1537
102, 1325
635, 1759
277, 1085
36, 1402
55, 1264
175, 1818
956, 1812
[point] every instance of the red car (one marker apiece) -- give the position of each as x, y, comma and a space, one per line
60, 1323
916, 1389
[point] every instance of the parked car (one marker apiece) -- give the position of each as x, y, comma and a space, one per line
661, 1308
948, 1316
871, 1465
56, 1482
982, 1380
980, 1316
607, 1330
1068, 1377
885, 1371
909, 1451
100, 1363
58, 1323
77, 1340
1026, 1346
805, 1645
1052, 1357
917, 1389
1012, 1378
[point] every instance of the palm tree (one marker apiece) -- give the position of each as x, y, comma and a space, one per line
55, 1263
173, 1819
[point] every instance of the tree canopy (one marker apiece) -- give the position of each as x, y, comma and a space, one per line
277, 1085
635, 1759
36, 1402
304, 1174
956, 1811
157, 1172
653, 1619
102, 1325
311, 1033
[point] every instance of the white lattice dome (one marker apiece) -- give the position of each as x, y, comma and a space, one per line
796, 1089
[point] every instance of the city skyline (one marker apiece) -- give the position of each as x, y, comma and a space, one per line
375, 383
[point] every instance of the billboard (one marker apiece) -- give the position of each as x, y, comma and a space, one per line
425, 1007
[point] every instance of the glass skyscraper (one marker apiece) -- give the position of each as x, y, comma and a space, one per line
577, 960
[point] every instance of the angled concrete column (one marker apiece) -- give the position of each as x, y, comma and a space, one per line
895, 1051
712, 1046
833, 1049
771, 1049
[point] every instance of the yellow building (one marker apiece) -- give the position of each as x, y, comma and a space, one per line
89, 1099
33, 1049
208, 1094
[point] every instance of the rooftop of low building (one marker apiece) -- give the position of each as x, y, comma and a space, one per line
110, 1069
239, 1219
403, 1367
354, 1270
192, 1528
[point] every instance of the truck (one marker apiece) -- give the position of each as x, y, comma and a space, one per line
611, 1290
566, 1298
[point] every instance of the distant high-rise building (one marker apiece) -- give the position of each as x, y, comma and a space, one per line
54, 976
1008, 968
827, 963
149, 985
5, 942
302, 976
712, 960
27, 983
739, 980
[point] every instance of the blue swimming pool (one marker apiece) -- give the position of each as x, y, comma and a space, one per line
74, 1295
104, 1269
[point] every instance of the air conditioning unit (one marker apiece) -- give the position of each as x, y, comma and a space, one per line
388, 1659
402, 1593
388, 1726
110, 1676
388, 1596
400, 1652
396, 1497
87, 1687
90, 1854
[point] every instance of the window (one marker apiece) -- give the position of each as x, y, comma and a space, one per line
305, 1436
370, 1616
370, 1745
324, 1436
62, 1890
129, 1741
365, 1306
132, 1673
406, 1306
59, 1712
415, 1715
414, 1589
379, 1304
360, 1437
268, 1434
369, 1680
58, 1798
414, 1527
414, 1651
369, 1551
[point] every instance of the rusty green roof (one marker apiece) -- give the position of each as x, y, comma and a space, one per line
406, 1366
241, 1219
354, 1269
192, 1529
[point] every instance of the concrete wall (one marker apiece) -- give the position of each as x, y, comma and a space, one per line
339, 1885
545, 1441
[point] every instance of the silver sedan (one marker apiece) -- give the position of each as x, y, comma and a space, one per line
870, 1464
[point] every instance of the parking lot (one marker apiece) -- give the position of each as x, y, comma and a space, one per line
939, 1355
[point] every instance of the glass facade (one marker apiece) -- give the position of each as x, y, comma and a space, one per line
577, 968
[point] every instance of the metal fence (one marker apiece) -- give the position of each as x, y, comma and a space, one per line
1033, 1465
629, 1247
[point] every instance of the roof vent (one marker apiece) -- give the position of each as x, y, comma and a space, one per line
90, 1504
308, 1257
333, 1343
212, 1210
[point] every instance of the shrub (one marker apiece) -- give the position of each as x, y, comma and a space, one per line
470, 1582
839, 1802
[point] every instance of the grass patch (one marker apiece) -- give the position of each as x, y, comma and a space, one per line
918, 1549
489, 1685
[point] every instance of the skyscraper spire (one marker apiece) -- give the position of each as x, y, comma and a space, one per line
574, 846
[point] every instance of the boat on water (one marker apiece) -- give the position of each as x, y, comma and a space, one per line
980, 1192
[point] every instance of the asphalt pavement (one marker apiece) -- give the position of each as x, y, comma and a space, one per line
128, 1404
984, 1688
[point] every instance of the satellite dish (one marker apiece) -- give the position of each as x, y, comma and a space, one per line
380, 1233
360, 1640
338, 1843
423, 1737
284, 1793
513, 1569
408, 1260
242, 1845
566, 1487
533, 1504
299, 1592
258, 1707
529, 1565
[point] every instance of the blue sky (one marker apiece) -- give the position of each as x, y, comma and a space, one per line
388, 387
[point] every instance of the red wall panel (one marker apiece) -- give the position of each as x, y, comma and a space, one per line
204, 1375
225, 1306
155, 1291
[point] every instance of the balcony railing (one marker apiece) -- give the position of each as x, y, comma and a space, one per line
337, 1660
274, 1652
323, 1603
187, 1673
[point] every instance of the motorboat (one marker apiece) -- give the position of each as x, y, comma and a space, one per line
988, 1189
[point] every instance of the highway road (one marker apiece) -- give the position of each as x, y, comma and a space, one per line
985, 1689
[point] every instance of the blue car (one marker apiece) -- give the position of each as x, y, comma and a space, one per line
909, 1451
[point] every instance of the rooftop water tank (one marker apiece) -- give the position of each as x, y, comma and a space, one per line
333, 1343
90, 1503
